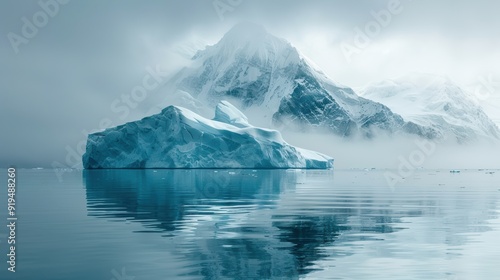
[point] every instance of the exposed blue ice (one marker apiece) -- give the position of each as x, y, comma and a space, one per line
180, 138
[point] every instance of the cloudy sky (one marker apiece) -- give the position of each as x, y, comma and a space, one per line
58, 80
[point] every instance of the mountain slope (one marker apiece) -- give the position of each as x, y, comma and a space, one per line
434, 102
247, 63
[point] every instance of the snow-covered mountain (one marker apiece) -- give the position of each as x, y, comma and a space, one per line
179, 138
265, 72
434, 102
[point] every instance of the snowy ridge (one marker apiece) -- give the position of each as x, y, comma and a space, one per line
189, 48
225, 112
435, 102
180, 138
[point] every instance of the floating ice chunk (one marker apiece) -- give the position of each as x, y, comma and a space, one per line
179, 138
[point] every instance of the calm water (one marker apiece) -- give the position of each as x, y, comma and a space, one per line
262, 224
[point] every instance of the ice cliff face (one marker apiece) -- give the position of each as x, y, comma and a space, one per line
179, 138
268, 73
436, 103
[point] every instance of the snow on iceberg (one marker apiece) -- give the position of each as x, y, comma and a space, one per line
179, 138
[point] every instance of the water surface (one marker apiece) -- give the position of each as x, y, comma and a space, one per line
255, 224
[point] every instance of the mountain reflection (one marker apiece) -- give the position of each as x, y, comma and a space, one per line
243, 224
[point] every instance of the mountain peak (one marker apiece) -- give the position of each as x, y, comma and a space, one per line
248, 39
248, 64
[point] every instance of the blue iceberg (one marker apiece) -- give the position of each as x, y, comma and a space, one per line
180, 138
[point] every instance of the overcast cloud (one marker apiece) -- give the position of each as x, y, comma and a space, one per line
63, 80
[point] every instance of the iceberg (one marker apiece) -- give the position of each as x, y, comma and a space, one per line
180, 138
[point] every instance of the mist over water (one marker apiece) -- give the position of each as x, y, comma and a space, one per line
381, 151
386, 152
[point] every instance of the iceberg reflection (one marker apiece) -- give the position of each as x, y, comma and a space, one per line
263, 224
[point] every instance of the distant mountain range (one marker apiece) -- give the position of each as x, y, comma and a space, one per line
436, 102
267, 74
